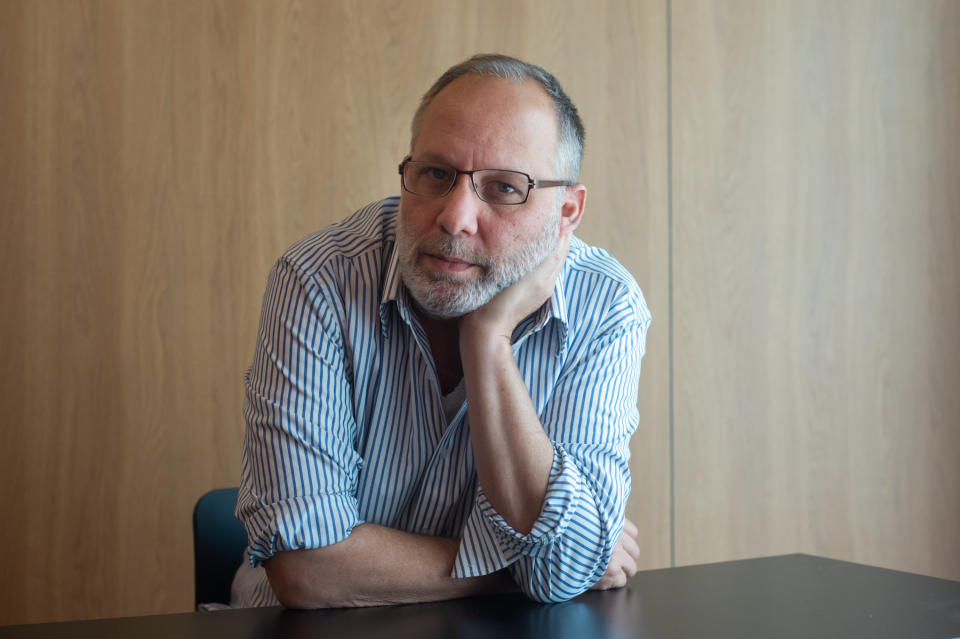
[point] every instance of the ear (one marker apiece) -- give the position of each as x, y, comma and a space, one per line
572, 208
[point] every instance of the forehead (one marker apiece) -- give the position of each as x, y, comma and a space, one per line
485, 122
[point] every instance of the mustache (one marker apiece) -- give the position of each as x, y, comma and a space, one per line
455, 248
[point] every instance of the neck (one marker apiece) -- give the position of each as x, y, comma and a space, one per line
444, 338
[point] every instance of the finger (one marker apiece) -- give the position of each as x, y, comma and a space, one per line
630, 546
630, 528
629, 568
604, 583
610, 574
622, 566
621, 562
619, 580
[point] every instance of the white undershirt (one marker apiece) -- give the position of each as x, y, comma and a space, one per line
453, 400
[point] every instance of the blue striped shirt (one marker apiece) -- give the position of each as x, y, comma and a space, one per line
345, 419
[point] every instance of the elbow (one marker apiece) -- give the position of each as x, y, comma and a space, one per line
543, 585
552, 593
289, 583
551, 596
290, 596
298, 587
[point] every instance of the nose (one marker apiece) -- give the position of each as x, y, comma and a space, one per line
460, 208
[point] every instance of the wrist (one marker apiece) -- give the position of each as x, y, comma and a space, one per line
479, 344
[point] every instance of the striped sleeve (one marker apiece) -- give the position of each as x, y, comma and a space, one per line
590, 417
299, 468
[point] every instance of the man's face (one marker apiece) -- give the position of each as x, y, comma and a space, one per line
457, 252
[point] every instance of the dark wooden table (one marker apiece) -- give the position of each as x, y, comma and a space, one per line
773, 597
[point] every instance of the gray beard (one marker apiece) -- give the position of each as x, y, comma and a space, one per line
444, 296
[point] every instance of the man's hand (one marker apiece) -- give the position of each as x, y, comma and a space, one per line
623, 561
501, 315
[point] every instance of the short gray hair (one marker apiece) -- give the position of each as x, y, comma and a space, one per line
570, 144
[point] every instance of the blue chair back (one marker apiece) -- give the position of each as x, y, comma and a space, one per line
218, 544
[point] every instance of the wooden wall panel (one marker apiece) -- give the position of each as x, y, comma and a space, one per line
816, 217
155, 158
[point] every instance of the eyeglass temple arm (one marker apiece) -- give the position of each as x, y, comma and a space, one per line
540, 184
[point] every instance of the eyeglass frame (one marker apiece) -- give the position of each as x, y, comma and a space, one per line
531, 183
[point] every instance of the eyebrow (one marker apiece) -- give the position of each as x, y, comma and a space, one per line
433, 157
439, 158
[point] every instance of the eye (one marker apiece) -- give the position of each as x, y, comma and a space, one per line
501, 187
435, 172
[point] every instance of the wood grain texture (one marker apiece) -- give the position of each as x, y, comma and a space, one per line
155, 159
817, 281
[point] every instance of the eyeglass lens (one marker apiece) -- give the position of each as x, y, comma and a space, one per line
495, 186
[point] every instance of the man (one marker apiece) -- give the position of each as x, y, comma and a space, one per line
444, 386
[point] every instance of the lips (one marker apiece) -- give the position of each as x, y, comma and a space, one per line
447, 263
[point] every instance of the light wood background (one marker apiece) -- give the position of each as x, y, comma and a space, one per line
816, 217
155, 159
781, 178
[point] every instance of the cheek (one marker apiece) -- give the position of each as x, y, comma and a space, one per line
515, 233
414, 219
504, 240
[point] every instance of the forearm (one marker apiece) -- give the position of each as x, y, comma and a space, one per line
375, 566
512, 452
575, 514
571, 542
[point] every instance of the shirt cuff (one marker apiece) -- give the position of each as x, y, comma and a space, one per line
297, 523
489, 543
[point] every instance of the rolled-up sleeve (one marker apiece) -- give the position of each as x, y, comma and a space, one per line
298, 480
590, 417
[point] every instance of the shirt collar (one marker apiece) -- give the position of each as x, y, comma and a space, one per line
554, 308
393, 291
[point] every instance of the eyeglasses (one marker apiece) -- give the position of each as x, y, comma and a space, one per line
494, 186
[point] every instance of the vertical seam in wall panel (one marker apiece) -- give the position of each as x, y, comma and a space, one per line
673, 556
